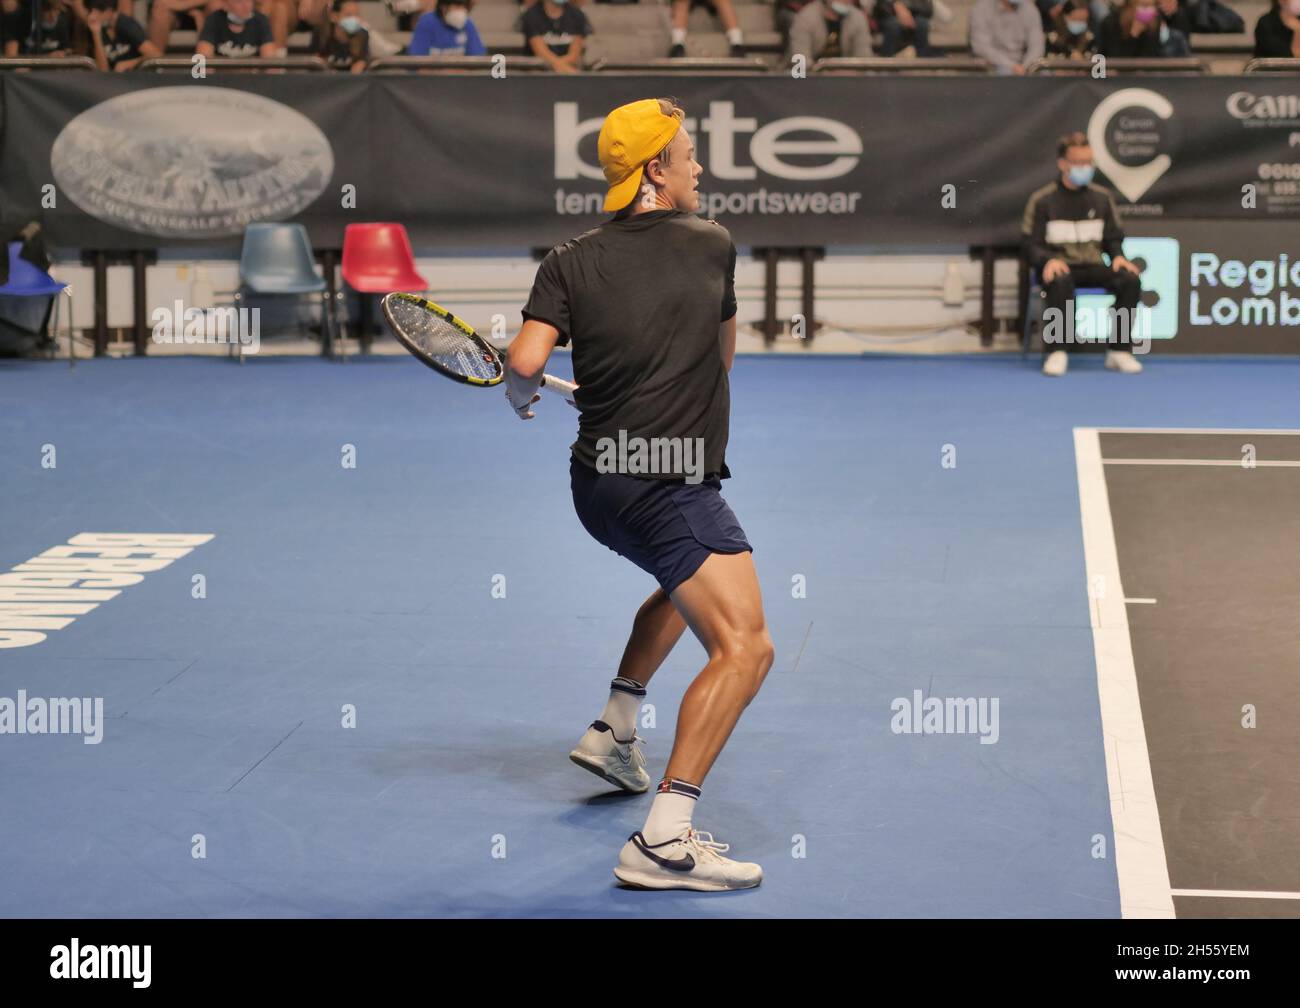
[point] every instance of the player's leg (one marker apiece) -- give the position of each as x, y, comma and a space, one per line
731, 25
655, 632
1058, 329
606, 749
722, 604
1127, 289
681, 14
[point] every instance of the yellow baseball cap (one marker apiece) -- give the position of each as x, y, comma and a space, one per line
632, 135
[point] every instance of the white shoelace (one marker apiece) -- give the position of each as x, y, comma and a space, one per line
707, 845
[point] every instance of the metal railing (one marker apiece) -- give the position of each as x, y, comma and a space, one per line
231, 64
457, 64
875, 65
47, 63
700, 66
1274, 65
1063, 65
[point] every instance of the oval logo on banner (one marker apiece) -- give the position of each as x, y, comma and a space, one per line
191, 162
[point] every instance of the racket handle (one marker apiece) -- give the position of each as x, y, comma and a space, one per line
564, 388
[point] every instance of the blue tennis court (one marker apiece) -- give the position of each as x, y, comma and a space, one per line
402, 629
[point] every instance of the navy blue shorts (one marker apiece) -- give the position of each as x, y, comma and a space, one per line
665, 527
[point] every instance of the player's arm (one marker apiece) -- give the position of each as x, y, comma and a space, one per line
525, 362
727, 341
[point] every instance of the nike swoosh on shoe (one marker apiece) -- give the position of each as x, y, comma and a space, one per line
684, 863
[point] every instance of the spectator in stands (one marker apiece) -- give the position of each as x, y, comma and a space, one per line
14, 24
826, 28
721, 9
554, 30
904, 24
1071, 35
162, 17
118, 42
1006, 34
283, 15
447, 30
1277, 33
52, 33
1139, 30
1067, 226
1050, 10
342, 41
238, 31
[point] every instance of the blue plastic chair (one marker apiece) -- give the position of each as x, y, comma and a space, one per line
1032, 315
277, 259
29, 280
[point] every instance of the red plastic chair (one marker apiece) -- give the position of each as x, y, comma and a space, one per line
377, 258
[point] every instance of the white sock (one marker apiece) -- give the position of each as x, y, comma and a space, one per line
623, 706
735, 36
671, 811
679, 36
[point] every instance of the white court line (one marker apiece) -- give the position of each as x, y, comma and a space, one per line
1139, 845
1194, 430
1238, 894
1140, 601
1236, 463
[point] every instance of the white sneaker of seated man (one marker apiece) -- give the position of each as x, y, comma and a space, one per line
692, 861
1123, 361
1058, 362
620, 763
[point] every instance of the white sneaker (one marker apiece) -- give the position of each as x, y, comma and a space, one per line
1123, 362
693, 861
1056, 363
620, 763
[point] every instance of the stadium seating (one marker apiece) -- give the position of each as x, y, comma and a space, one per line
640, 31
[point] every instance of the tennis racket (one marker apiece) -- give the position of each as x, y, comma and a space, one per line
450, 346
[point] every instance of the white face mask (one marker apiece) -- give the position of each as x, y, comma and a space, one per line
456, 17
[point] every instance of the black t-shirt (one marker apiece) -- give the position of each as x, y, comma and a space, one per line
1272, 37
124, 43
45, 40
558, 33
641, 301
256, 33
15, 24
341, 54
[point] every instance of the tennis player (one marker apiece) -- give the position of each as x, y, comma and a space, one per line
647, 301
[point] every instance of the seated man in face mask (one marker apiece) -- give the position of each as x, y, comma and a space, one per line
343, 41
1006, 34
237, 31
447, 31
1071, 35
827, 28
52, 34
1068, 226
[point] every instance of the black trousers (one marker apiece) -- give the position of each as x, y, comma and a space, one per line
1059, 295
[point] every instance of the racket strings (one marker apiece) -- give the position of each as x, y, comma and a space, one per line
446, 344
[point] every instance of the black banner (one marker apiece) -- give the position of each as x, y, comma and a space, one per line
122, 161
